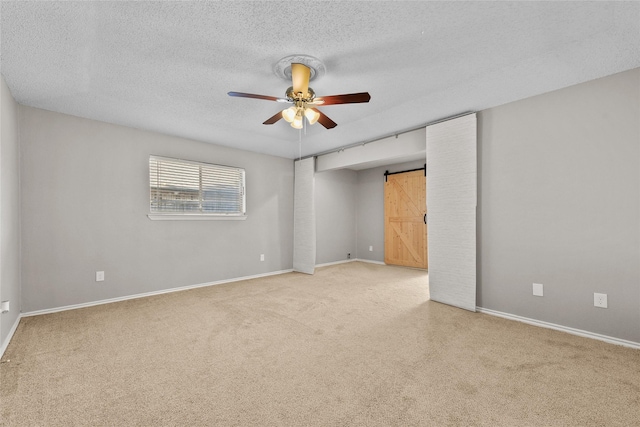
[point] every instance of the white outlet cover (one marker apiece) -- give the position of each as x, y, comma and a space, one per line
370, 248
538, 289
261, 257
4, 306
600, 300
99, 276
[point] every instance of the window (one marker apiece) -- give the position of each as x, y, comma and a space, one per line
182, 189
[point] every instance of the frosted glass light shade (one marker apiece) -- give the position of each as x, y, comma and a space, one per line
289, 114
311, 115
297, 122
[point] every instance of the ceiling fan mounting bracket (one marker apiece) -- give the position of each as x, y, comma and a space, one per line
282, 68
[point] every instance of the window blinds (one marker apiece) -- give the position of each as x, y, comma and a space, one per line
186, 187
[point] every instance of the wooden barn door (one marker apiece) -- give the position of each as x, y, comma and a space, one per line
405, 209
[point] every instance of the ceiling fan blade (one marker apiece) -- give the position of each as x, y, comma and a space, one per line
300, 75
349, 98
253, 95
324, 120
271, 120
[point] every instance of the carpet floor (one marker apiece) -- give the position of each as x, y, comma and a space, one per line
353, 345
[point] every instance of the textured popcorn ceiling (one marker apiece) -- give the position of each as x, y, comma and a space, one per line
167, 66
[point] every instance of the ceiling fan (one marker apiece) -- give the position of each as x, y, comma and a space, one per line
304, 101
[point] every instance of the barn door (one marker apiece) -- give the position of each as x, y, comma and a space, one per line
405, 228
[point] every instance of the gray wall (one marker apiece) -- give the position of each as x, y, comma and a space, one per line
370, 208
9, 210
559, 204
335, 199
559, 197
85, 196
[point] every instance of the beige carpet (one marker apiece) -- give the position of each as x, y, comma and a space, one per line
355, 345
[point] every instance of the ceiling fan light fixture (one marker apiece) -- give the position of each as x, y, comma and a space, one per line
311, 115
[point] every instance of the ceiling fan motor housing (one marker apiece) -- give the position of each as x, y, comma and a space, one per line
293, 97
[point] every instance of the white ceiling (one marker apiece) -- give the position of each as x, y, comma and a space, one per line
167, 66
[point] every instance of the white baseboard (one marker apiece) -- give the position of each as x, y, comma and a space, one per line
6, 342
148, 294
370, 261
572, 331
326, 264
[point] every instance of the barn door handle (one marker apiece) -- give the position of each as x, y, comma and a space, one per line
425, 218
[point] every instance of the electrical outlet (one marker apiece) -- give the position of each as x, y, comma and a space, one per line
370, 248
261, 257
4, 307
348, 256
99, 276
538, 289
600, 300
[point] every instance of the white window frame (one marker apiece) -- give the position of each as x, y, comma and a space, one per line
196, 215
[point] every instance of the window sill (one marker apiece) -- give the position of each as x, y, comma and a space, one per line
195, 217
